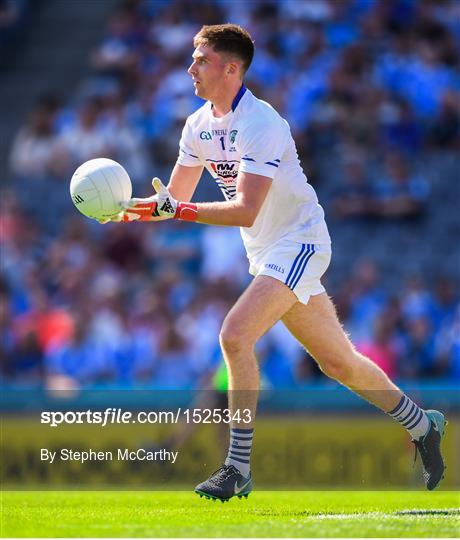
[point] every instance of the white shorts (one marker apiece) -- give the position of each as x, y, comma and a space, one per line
299, 266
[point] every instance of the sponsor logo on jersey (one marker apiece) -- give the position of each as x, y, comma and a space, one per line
275, 267
226, 171
208, 135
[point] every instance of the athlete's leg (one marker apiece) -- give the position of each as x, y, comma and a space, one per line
318, 329
263, 303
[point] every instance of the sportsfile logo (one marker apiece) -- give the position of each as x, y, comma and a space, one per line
116, 415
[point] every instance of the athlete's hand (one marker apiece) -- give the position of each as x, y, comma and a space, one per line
155, 208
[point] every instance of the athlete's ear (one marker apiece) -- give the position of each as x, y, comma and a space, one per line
232, 68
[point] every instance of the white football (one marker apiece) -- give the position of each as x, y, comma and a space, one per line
98, 187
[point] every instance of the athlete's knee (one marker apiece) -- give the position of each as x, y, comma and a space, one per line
234, 337
338, 367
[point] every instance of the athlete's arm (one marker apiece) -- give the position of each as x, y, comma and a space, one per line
251, 190
183, 181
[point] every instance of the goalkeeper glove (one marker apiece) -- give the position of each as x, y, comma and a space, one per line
158, 207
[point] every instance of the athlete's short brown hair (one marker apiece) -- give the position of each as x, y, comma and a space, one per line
227, 38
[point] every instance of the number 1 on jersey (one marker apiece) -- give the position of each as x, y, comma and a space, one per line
222, 143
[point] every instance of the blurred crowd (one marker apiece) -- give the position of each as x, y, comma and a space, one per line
138, 304
372, 82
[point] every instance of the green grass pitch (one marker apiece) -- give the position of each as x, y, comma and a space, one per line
264, 514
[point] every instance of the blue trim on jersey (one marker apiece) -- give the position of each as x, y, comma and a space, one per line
248, 158
277, 160
272, 164
223, 160
304, 265
192, 155
238, 97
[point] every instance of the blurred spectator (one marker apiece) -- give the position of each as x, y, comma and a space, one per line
81, 359
126, 141
354, 198
419, 359
36, 153
382, 347
12, 219
400, 194
368, 299
88, 137
50, 325
416, 299
444, 130
24, 364
117, 51
399, 127
448, 347
9, 366
444, 303
222, 255
171, 372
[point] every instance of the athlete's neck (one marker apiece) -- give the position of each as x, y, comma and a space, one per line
218, 111
222, 105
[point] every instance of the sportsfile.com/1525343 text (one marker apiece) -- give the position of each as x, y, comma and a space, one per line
112, 415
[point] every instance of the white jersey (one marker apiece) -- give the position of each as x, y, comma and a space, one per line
253, 138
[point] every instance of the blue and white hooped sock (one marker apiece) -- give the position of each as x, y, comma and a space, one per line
239, 451
411, 417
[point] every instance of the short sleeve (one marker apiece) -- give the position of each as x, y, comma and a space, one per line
261, 147
188, 155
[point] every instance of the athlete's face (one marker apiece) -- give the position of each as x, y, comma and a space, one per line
208, 71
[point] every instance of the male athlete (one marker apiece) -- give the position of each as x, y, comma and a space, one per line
248, 149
